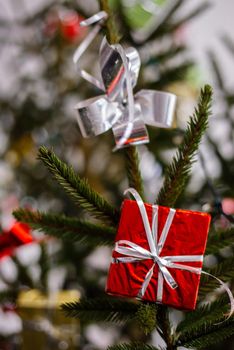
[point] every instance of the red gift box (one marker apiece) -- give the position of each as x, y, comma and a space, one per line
186, 237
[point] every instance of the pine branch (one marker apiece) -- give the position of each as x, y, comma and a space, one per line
209, 314
101, 310
214, 334
63, 227
45, 266
171, 75
112, 33
164, 27
78, 188
194, 13
215, 68
132, 346
133, 170
219, 240
224, 271
228, 42
178, 172
165, 55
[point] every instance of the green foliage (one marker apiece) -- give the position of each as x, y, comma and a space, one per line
210, 335
218, 240
223, 271
101, 310
44, 264
146, 317
133, 171
171, 75
132, 346
67, 228
178, 172
78, 188
203, 316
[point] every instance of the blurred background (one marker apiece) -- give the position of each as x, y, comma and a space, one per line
182, 48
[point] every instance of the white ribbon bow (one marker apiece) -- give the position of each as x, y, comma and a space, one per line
133, 252
127, 114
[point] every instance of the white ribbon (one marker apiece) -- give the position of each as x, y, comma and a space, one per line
133, 253
126, 113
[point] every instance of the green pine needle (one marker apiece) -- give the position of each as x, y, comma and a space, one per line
178, 172
66, 228
194, 322
101, 310
211, 335
224, 271
78, 188
146, 317
132, 346
133, 171
218, 240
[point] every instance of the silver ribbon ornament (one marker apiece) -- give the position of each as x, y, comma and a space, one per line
118, 108
134, 253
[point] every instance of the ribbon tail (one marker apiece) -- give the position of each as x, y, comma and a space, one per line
146, 282
228, 291
160, 287
99, 17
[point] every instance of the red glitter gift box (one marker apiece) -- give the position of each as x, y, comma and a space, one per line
171, 274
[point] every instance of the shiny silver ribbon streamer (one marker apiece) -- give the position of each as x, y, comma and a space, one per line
118, 108
133, 253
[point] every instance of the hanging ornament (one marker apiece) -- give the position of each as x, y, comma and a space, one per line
70, 26
158, 254
66, 23
127, 114
18, 235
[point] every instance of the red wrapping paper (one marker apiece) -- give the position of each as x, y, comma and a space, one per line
187, 236
18, 235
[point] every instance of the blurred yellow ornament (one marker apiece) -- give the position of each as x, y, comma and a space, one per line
44, 325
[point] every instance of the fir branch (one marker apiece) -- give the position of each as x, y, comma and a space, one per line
165, 55
66, 228
164, 27
44, 264
219, 240
132, 346
112, 33
178, 172
101, 310
171, 75
133, 170
211, 335
194, 322
228, 42
194, 13
223, 271
215, 68
78, 188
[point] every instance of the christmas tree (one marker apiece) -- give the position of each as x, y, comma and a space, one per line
198, 328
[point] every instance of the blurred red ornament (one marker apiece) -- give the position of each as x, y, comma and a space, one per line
70, 25
228, 206
18, 235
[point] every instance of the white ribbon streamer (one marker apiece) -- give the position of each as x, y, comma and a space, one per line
133, 253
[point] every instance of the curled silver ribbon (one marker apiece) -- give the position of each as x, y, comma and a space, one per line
133, 253
118, 108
